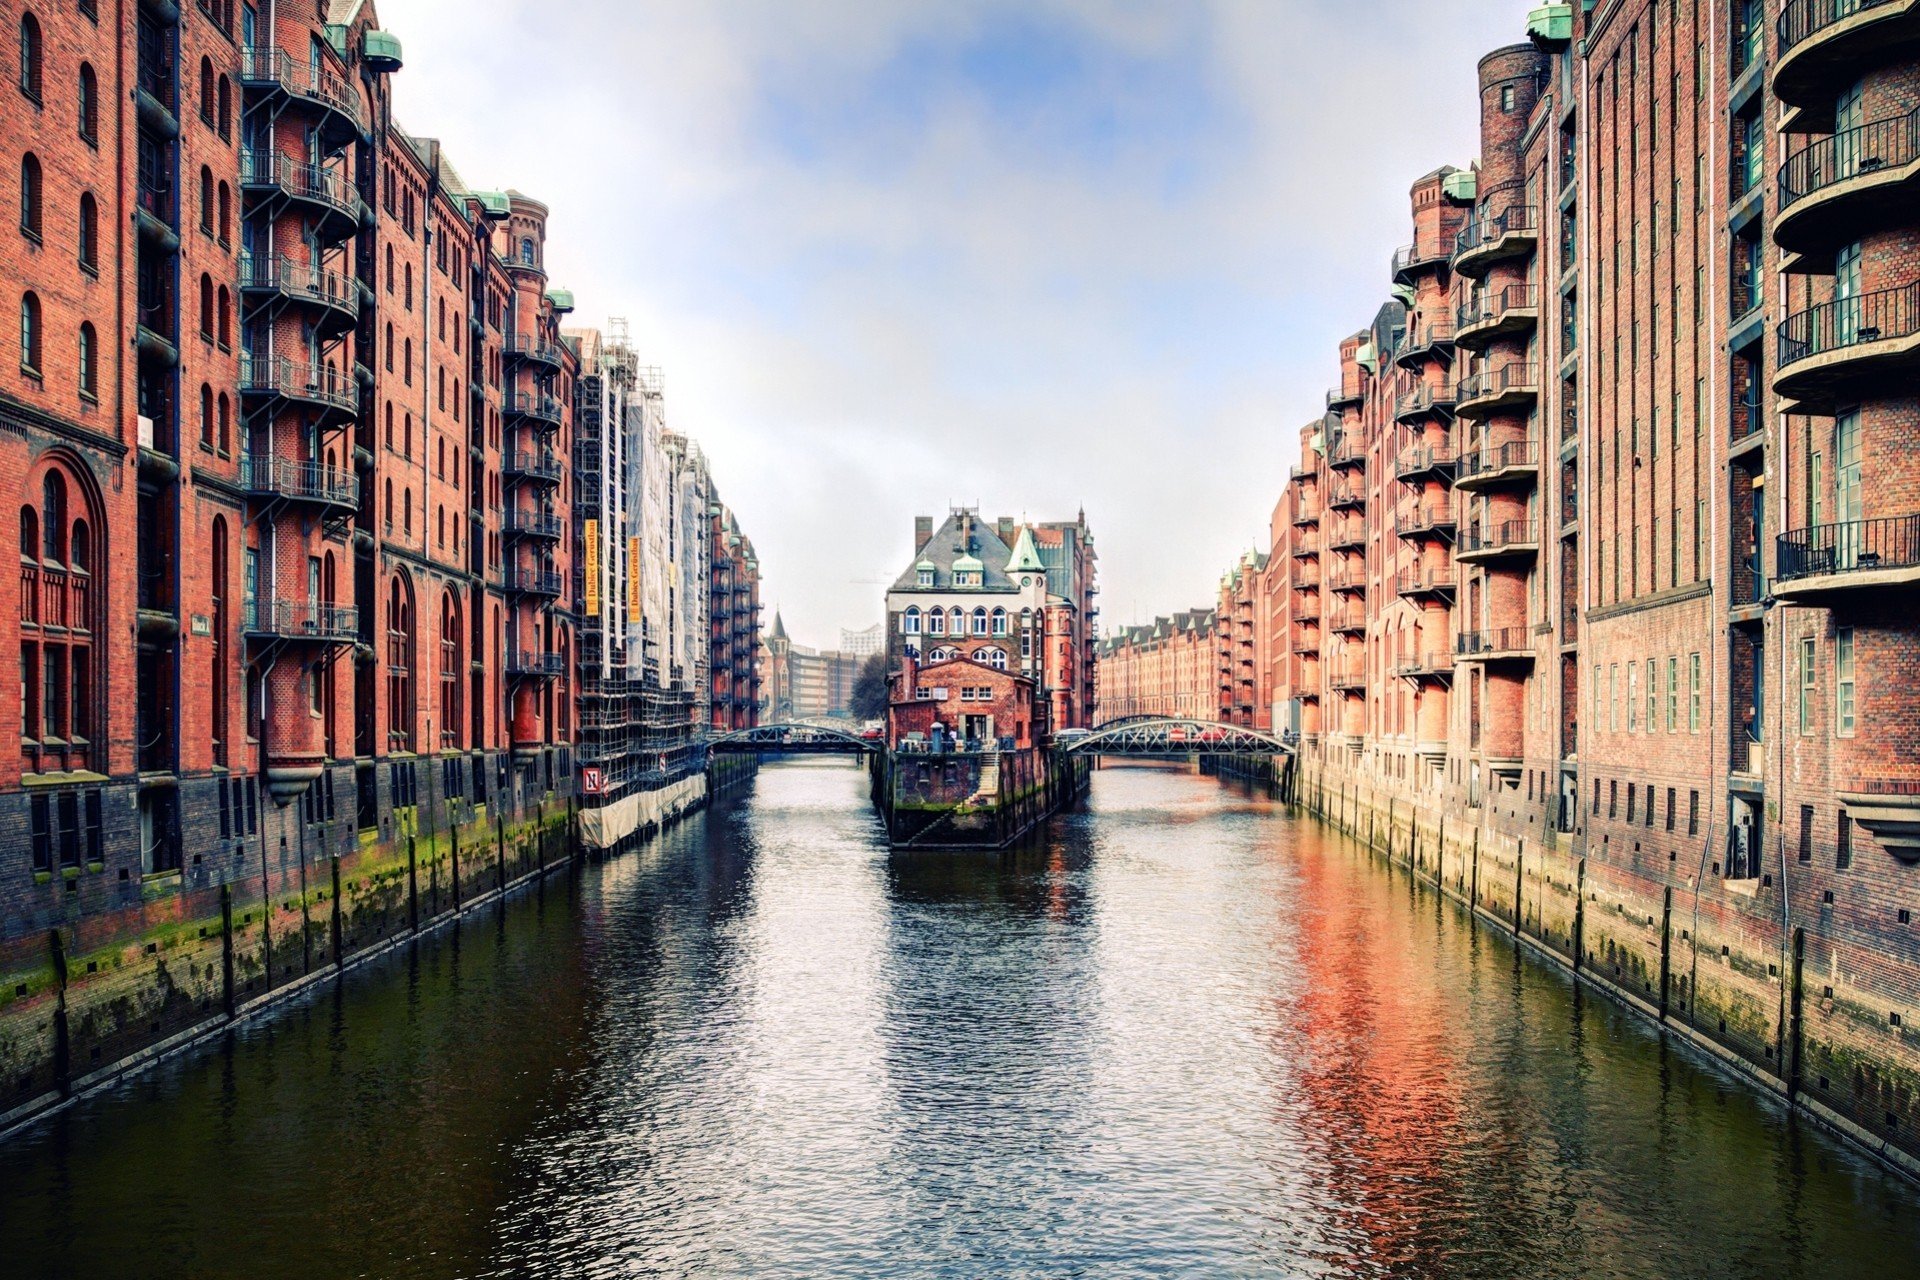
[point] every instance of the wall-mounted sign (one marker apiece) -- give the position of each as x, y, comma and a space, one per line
590, 536
202, 625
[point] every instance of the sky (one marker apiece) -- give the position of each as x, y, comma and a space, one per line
895, 257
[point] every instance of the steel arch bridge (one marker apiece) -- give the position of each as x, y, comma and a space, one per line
1142, 736
794, 738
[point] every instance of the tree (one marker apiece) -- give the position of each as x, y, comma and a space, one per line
869, 697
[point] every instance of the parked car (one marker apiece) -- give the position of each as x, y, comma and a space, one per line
1067, 737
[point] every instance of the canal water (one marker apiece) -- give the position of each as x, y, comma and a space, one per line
1186, 1034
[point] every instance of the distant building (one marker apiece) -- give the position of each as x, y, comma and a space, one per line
804, 683
864, 644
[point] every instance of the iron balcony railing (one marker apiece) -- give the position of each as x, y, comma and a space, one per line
1347, 576
1346, 451
1415, 582
538, 524
1426, 398
529, 662
1483, 231
1884, 144
1801, 20
526, 346
1346, 495
1423, 517
1853, 546
306, 481
1424, 458
1348, 676
1409, 257
526, 404
267, 68
539, 582
1498, 537
297, 280
538, 464
1347, 535
1491, 383
302, 620
1420, 339
1500, 457
1498, 640
1431, 662
1491, 305
1847, 322
280, 376
1348, 619
310, 182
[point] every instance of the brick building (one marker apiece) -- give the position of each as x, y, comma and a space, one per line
1579, 580
1168, 668
962, 704
317, 382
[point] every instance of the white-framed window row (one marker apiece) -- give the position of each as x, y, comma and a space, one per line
945, 653
934, 693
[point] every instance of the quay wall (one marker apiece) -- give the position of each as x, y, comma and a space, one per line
1647, 921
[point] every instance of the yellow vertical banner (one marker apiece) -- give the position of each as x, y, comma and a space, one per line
633, 581
591, 537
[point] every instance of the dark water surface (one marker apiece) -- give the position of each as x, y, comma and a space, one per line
1186, 1035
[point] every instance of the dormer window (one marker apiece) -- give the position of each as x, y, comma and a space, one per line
926, 577
967, 578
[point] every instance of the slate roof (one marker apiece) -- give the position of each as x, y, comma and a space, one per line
961, 534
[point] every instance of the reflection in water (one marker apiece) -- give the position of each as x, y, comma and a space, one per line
1182, 1034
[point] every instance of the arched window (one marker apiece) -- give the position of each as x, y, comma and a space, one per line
980, 621
992, 655
30, 57
999, 621
88, 236
389, 290
206, 90
440, 526
958, 621
206, 199
942, 654
406, 512
449, 672
400, 715
88, 104
30, 332
407, 351
57, 675
217, 651
206, 416
226, 107
89, 362
526, 251
206, 306
389, 425
30, 195
910, 621
226, 426
226, 214
389, 346
389, 506
225, 312
936, 622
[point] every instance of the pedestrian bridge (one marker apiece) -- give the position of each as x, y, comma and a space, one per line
795, 738
1149, 736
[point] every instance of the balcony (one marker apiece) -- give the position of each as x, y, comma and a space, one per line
1434, 665
1306, 546
1511, 387
1348, 677
1425, 520
1347, 575
1425, 584
1348, 620
1422, 342
155, 216
536, 408
1850, 348
1889, 808
291, 480
270, 381
1306, 517
1485, 318
334, 298
538, 465
1858, 555
1832, 189
301, 621
1506, 540
1517, 462
533, 582
1424, 462
1345, 495
1306, 642
1425, 401
1410, 261
532, 663
1826, 44
522, 523
1346, 452
1484, 241
1347, 535
1501, 644
1340, 398
330, 101
532, 350
327, 194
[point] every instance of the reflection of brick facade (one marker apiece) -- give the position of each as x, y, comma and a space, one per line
1581, 559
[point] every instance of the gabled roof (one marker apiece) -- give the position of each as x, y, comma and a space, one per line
1026, 556
963, 538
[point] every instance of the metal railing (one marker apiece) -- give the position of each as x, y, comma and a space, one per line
529, 662
298, 280
1884, 144
526, 404
1436, 332
1517, 376
1801, 20
1419, 581
1425, 398
543, 524
1847, 322
260, 67
1499, 457
1431, 662
1483, 231
1422, 458
1498, 537
308, 481
1497, 640
541, 465
1348, 619
545, 582
1853, 546
269, 375
1409, 256
1487, 307
299, 179
1423, 517
524, 346
302, 620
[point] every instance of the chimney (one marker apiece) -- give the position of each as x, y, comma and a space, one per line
922, 533
1004, 527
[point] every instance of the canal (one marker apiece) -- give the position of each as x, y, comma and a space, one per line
1186, 1034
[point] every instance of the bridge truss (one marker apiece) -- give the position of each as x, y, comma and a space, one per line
1141, 736
796, 738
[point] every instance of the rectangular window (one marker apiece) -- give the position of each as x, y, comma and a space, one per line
1806, 685
1693, 813
42, 824
1693, 693
1653, 694
1806, 833
1843, 843
1672, 807
1613, 798
1632, 794
1673, 694
1613, 698
1633, 696
1843, 686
